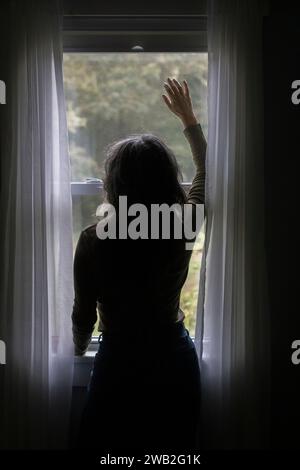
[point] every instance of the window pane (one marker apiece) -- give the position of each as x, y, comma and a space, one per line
84, 214
111, 95
189, 293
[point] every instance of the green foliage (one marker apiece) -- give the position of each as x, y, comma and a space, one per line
112, 95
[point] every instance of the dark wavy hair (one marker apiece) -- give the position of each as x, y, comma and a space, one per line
144, 169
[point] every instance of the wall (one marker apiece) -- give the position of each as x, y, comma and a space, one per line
134, 7
282, 119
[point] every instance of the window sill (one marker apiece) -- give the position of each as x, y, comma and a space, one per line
88, 357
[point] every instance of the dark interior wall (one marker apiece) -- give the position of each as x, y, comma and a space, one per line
134, 7
282, 132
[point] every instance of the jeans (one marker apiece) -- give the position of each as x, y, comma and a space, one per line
144, 393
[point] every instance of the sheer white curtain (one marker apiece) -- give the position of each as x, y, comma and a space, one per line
36, 233
233, 315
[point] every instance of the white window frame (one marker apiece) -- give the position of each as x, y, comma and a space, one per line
120, 33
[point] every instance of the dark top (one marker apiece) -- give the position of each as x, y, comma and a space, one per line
133, 283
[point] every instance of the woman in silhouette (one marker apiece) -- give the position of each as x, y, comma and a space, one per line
144, 392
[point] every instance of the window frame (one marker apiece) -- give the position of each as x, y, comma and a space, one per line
120, 33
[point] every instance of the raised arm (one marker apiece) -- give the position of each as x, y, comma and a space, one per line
197, 143
179, 102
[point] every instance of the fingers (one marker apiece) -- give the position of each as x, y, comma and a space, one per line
169, 90
187, 91
186, 88
177, 94
175, 86
167, 101
178, 85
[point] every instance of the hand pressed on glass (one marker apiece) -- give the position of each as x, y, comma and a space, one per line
179, 101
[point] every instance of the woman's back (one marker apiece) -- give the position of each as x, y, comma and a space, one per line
137, 282
134, 282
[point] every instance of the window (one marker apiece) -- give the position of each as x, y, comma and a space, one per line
112, 91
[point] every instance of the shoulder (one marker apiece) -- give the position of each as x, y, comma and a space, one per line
87, 237
89, 231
